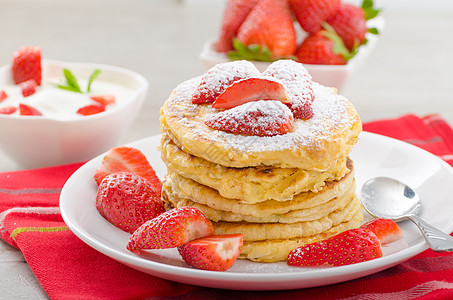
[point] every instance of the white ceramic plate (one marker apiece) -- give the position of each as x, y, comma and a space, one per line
374, 155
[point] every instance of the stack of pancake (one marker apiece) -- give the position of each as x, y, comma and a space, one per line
280, 192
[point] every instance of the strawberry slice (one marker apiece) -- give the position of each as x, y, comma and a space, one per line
251, 89
233, 16
3, 96
8, 110
27, 110
28, 87
131, 160
127, 201
298, 83
219, 77
26, 64
91, 109
386, 230
215, 253
349, 247
104, 99
171, 229
260, 118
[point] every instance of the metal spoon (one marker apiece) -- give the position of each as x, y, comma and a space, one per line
385, 197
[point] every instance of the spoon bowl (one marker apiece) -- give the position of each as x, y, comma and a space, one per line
384, 197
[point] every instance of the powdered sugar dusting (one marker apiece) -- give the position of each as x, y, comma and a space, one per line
221, 76
263, 117
330, 114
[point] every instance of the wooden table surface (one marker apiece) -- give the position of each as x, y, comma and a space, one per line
410, 70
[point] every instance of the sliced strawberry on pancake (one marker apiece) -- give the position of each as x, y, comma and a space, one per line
251, 89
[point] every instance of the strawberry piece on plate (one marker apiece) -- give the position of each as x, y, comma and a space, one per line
3, 95
349, 247
233, 16
260, 118
270, 24
27, 110
251, 89
386, 230
28, 87
171, 229
8, 110
91, 109
128, 159
221, 76
312, 13
127, 201
104, 99
26, 65
298, 83
214, 253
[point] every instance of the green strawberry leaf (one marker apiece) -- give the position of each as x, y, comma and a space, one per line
373, 30
369, 10
252, 52
93, 76
339, 47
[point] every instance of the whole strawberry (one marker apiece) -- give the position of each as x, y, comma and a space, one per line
270, 24
171, 229
349, 247
312, 13
233, 16
350, 24
215, 252
26, 65
127, 201
324, 47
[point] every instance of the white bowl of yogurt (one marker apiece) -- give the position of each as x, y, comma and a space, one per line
60, 135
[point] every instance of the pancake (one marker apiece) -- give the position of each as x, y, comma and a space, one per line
314, 144
266, 231
301, 215
278, 250
251, 184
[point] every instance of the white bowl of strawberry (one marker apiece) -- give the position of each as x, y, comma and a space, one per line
332, 39
55, 112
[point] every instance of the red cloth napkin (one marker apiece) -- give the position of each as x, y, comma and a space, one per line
69, 269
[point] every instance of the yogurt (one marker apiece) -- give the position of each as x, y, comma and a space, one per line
57, 103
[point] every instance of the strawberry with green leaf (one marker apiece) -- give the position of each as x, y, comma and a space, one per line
324, 47
233, 16
269, 25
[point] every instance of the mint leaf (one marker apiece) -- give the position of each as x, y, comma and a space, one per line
71, 81
93, 76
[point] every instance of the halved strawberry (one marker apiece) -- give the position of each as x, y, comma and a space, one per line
28, 87
131, 160
349, 247
386, 230
251, 89
312, 13
104, 99
91, 109
7, 110
127, 201
171, 229
215, 252
27, 110
298, 83
26, 64
234, 15
219, 77
3, 95
260, 118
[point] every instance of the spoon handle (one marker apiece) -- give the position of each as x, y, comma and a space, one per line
437, 240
